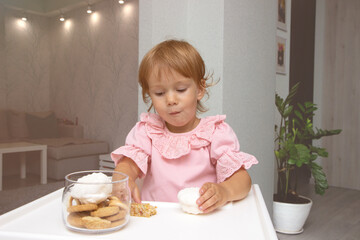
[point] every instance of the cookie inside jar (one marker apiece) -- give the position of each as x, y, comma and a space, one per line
96, 201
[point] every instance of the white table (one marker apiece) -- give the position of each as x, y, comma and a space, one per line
22, 147
246, 219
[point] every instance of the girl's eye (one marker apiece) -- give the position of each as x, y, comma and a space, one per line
182, 90
159, 93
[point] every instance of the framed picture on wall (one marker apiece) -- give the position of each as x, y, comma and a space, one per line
280, 55
281, 22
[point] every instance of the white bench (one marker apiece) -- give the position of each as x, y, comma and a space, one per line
22, 147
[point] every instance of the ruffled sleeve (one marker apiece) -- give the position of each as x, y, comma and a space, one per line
137, 147
225, 153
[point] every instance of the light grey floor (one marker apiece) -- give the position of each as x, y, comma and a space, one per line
17, 192
334, 216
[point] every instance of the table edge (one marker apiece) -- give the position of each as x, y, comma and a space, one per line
264, 216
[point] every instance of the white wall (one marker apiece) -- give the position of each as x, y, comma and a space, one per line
237, 42
282, 80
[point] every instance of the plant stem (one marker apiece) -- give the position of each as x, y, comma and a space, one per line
278, 161
287, 182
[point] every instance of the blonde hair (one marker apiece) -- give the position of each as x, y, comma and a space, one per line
179, 56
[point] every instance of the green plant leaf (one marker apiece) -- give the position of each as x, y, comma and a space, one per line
292, 161
282, 154
303, 153
277, 154
288, 111
279, 103
309, 105
293, 139
313, 157
311, 110
292, 93
322, 133
299, 155
320, 178
301, 107
298, 114
319, 151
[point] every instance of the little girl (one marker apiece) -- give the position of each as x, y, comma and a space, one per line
174, 149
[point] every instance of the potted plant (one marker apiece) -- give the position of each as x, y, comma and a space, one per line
293, 149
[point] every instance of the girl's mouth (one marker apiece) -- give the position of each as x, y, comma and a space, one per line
174, 113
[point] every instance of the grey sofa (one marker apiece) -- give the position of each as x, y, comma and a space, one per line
67, 149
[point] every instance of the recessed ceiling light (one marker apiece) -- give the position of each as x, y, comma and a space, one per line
24, 18
89, 10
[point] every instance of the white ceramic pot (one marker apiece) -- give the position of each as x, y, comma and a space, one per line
290, 218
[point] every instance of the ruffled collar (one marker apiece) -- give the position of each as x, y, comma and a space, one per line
175, 145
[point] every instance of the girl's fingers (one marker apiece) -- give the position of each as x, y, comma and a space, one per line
136, 194
204, 194
211, 197
208, 209
208, 199
204, 188
210, 204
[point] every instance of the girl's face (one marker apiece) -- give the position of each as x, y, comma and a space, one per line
175, 99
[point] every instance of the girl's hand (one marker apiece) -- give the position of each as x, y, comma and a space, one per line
135, 192
119, 191
129, 167
212, 196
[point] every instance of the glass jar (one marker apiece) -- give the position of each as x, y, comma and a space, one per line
96, 201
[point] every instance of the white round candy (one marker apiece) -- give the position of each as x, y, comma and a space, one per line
187, 198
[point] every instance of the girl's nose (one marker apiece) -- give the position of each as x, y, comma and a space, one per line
171, 99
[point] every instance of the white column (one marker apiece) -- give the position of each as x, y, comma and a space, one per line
249, 83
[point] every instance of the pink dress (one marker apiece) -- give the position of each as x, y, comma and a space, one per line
170, 161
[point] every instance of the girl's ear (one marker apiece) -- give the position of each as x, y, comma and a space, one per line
201, 90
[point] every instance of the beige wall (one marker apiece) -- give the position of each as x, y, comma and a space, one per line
337, 88
85, 67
